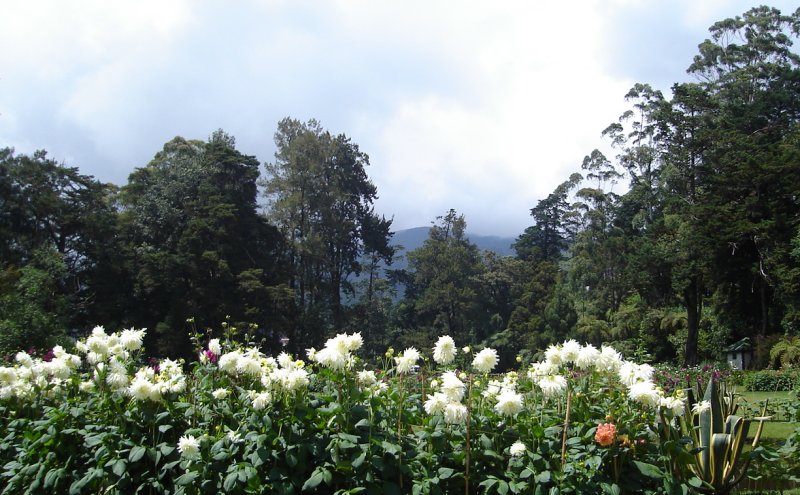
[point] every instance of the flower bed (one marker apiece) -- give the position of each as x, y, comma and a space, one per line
584, 420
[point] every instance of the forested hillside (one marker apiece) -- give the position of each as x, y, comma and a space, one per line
702, 250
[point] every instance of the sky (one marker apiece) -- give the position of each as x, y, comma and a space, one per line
480, 106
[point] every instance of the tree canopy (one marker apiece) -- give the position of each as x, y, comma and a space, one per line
701, 249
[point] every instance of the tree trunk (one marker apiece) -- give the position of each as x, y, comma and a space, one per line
336, 295
691, 298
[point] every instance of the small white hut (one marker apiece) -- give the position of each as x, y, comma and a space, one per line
739, 355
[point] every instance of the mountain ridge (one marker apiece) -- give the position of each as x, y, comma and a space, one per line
413, 238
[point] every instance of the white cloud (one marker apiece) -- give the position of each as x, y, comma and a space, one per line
76, 70
480, 106
534, 104
53, 39
701, 15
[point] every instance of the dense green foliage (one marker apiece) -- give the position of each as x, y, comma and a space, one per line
321, 201
701, 250
771, 380
193, 244
54, 228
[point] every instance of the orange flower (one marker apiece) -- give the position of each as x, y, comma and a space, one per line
605, 434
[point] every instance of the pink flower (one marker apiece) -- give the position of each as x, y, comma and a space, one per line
606, 432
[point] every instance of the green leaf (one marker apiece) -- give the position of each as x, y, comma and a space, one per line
314, 480
52, 477
612, 489
291, 458
390, 448
164, 428
93, 440
594, 462
263, 454
120, 467
33, 487
218, 445
488, 484
491, 453
230, 480
348, 437
136, 453
648, 470
77, 486
346, 444
445, 473
720, 452
502, 487
187, 478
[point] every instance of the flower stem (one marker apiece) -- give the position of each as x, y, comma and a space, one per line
466, 456
566, 428
399, 431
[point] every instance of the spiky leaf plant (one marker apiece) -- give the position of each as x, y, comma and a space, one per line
718, 436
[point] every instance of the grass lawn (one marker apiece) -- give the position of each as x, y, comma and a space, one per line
792, 491
756, 397
778, 429
782, 405
775, 433
775, 430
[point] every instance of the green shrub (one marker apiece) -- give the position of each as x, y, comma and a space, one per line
771, 380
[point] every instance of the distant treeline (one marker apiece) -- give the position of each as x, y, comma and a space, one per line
701, 251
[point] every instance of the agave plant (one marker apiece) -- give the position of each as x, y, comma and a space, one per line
719, 436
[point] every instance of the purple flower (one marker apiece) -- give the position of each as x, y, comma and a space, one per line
212, 358
153, 363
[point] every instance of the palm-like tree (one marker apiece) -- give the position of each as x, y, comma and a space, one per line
785, 352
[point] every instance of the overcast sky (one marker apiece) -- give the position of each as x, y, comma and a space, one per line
482, 106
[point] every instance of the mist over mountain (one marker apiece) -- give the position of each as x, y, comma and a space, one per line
411, 239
